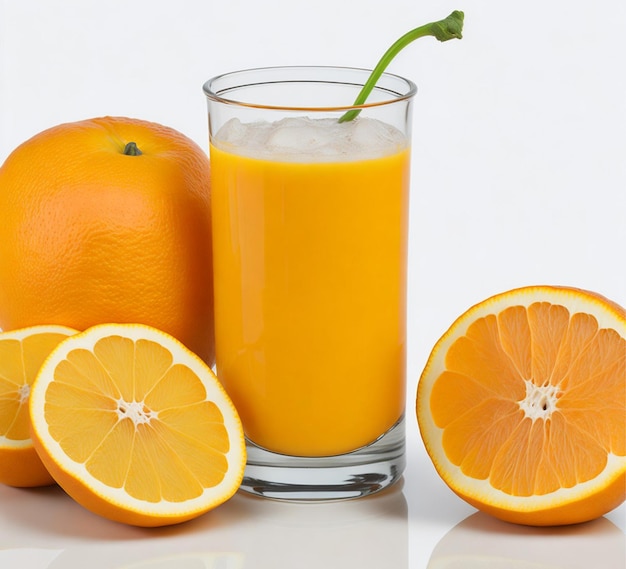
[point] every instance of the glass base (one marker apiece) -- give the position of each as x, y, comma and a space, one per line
302, 479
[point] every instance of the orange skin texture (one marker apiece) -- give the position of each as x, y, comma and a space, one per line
89, 235
22, 468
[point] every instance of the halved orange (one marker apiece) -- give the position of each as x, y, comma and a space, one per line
522, 405
21, 354
135, 427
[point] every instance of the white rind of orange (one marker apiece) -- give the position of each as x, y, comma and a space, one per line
115, 503
556, 507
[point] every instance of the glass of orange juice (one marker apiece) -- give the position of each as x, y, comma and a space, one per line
310, 216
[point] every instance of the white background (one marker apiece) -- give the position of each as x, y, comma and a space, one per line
519, 150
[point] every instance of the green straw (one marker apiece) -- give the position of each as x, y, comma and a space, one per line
443, 30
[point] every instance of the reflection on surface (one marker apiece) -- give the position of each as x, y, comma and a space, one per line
483, 542
116, 559
367, 533
27, 558
244, 533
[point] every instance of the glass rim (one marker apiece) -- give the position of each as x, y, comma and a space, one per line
215, 94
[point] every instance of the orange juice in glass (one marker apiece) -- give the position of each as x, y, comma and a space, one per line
310, 220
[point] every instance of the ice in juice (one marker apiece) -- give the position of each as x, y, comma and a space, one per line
310, 237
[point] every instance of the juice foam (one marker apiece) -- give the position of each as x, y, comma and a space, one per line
303, 139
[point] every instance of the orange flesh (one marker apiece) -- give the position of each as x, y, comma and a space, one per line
21, 359
169, 443
310, 268
540, 362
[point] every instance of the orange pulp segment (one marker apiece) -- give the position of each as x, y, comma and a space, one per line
522, 405
135, 427
21, 354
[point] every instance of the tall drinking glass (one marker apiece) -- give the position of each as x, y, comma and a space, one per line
310, 218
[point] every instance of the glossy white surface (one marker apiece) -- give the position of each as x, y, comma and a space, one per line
518, 178
418, 524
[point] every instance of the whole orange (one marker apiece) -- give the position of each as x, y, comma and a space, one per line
108, 220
